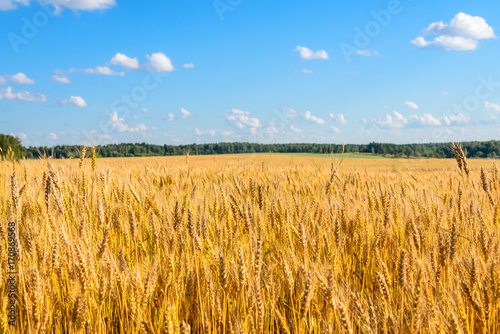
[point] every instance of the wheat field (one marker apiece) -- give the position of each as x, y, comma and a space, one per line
251, 244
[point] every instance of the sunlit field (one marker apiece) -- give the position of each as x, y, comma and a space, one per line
266, 243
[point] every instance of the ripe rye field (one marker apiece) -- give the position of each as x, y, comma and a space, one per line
252, 244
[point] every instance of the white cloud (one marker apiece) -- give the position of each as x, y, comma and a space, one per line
335, 129
338, 118
398, 121
125, 62
188, 65
461, 34
22, 79
367, 52
19, 78
98, 70
267, 132
444, 93
8, 4
463, 25
412, 105
294, 129
60, 4
182, 114
204, 132
102, 70
394, 121
306, 53
20, 135
455, 119
63, 79
312, 118
119, 124
52, 135
290, 113
450, 132
145, 110
424, 120
494, 106
159, 62
455, 43
9, 94
242, 120
305, 71
76, 100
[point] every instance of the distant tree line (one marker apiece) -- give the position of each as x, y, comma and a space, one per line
430, 150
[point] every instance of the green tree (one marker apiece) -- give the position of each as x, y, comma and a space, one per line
11, 148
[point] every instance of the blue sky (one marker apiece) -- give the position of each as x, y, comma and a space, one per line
196, 71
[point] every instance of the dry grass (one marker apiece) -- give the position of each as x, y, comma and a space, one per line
263, 243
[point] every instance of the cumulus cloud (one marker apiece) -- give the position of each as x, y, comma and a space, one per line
76, 100
9, 4
52, 135
294, 129
59, 5
188, 65
267, 132
242, 120
98, 70
159, 62
461, 34
306, 53
305, 71
125, 62
493, 106
338, 118
455, 119
335, 129
463, 25
398, 121
367, 52
20, 135
9, 94
119, 124
308, 116
204, 132
183, 113
412, 105
424, 120
290, 113
455, 43
103, 70
394, 121
61, 78
19, 78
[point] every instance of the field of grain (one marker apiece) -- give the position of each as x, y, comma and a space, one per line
251, 244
